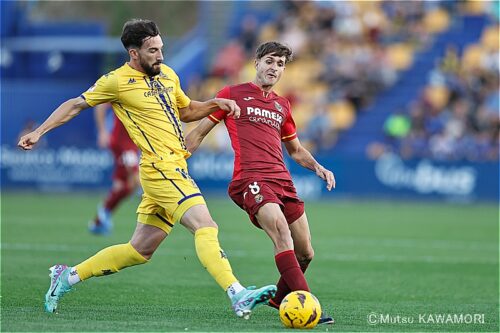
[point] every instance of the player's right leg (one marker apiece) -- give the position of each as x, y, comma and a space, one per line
197, 219
144, 242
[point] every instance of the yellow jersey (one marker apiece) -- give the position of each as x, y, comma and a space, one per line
148, 107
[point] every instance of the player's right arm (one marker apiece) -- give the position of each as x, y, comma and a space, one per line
104, 90
196, 136
64, 113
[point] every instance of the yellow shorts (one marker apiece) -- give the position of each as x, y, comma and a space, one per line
169, 192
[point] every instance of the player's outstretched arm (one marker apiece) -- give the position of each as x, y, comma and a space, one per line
196, 136
199, 110
303, 157
64, 113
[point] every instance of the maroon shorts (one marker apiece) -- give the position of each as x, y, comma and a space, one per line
126, 162
251, 194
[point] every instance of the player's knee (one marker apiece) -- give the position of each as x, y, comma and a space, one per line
145, 250
305, 257
199, 223
197, 217
195, 224
146, 253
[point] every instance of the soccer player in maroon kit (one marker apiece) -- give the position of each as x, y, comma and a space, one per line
126, 168
261, 184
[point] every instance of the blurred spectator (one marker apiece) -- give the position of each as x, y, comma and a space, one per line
397, 126
230, 60
457, 115
318, 133
248, 34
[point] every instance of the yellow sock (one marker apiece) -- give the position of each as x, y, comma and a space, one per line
109, 260
212, 257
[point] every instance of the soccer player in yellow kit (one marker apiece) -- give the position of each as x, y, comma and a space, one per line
147, 97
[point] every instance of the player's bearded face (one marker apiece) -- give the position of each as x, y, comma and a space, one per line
269, 69
150, 67
151, 56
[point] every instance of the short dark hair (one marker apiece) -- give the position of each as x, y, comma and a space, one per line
276, 49
135, 31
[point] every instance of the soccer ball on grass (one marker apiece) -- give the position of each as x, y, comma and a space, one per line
300, 309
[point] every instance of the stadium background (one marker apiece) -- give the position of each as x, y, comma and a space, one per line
399, 99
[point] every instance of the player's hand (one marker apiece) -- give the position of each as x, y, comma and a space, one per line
28, 141
327, 176
229, 106
103, 139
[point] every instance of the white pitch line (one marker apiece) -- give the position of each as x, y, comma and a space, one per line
381, 258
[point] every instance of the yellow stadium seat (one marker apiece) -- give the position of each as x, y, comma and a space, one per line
475, 7
490, 38
438, 96
472, 57
267, 33
212, 86
310, 68
436, 21
342, 114
313, 92
400, 55
247, 73
302, 113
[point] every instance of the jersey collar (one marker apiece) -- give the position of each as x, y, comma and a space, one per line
265, 94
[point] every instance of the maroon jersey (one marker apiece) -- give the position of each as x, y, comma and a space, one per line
119, 138
256, 136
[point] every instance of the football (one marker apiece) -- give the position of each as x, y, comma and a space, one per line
300, 309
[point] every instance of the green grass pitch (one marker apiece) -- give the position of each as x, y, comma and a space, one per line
387, 260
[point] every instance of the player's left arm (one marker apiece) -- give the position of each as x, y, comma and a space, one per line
198, 110
303, 157
196, 136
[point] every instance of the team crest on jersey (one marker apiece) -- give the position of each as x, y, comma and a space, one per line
259, 198
278, 106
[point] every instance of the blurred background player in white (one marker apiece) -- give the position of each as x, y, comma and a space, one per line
125, 172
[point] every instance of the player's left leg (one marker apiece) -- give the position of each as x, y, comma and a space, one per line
304, 252
197, 219
138, 250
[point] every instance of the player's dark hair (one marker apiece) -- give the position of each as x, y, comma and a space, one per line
136, 31
275, 49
